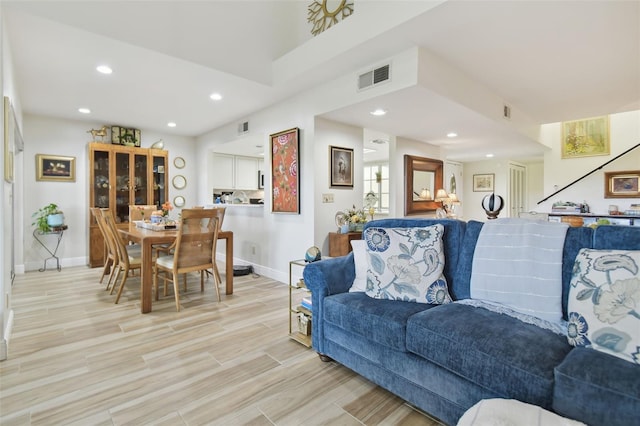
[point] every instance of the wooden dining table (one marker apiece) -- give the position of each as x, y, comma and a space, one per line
147, 238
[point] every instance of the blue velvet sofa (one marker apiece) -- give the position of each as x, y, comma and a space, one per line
445, 358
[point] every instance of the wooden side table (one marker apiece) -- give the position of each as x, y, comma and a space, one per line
340, 244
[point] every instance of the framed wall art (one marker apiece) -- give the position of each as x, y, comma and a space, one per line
624, 184
285, 177
125, 136
483, 183
585, 138
55, 168
341, 167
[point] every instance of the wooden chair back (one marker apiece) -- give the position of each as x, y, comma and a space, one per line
196, 243
141, 211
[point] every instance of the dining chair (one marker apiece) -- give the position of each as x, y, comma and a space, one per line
128, 260
111, 254
141, 211
195, 250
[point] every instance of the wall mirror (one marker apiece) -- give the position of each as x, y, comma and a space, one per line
179, 182
179, 201
179, 162
423, 177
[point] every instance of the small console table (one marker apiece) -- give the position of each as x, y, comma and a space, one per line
340, 244
38, 235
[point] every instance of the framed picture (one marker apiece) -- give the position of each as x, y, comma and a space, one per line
55, 168
624, 184
125, 136
483, 183
585, 138
285, 177
341, 170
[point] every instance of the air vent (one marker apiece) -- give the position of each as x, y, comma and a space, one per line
243, 127
506, 112
376, 76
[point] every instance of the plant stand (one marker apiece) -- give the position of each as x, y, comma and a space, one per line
38, 234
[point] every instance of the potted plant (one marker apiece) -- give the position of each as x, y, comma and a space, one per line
48, 217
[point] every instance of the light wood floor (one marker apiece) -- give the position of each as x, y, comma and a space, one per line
77, 358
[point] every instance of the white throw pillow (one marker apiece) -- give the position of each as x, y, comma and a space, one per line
360, 259
604, 302
406, 264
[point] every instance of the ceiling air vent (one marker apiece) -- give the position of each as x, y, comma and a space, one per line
506, 112
243, 127
373, 77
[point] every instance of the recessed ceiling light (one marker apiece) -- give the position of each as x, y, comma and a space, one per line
104, 69
378, 112
216, 96
84, 110
489, 155
452, 134
171, 124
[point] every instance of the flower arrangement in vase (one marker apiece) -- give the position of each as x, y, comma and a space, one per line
356, 218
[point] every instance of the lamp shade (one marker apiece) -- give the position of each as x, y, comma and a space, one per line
441, 195
425, 194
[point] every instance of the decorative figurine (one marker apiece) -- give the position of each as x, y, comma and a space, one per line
102, 132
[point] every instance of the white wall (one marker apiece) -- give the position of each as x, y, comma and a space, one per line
558, 172
329, 133
47, 135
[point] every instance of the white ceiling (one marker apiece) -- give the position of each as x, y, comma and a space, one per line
550, 60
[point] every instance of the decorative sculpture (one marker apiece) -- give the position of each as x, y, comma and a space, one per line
492, 204
102, 132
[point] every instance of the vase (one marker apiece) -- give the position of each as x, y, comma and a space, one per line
356, 227
55, 220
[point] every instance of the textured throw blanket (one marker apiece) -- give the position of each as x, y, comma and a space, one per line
518, 263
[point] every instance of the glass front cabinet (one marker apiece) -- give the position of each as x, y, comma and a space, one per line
120, 176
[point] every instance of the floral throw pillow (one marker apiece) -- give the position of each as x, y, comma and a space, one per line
604, 302
406, 264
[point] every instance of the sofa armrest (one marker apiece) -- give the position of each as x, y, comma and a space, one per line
324, 278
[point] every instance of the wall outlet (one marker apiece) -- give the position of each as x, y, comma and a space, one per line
327, 198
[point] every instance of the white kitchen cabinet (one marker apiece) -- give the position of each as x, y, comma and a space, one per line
232, 172
246, 173
223, 170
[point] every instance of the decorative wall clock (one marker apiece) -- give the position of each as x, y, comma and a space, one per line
322, 17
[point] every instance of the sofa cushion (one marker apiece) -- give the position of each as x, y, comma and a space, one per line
454, 232
360, 262
382, 321
406, 264
597, 388
505, 355
604, 302
518, 263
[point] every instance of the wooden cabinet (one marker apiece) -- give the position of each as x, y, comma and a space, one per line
340, 244
118, 177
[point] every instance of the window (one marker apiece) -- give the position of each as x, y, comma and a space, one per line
376, 180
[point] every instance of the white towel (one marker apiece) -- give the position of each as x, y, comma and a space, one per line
518, 263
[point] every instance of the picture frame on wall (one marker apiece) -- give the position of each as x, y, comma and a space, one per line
125, 136
55, 168
285, 175
341, 167
585, 138
483, 182
624, 184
